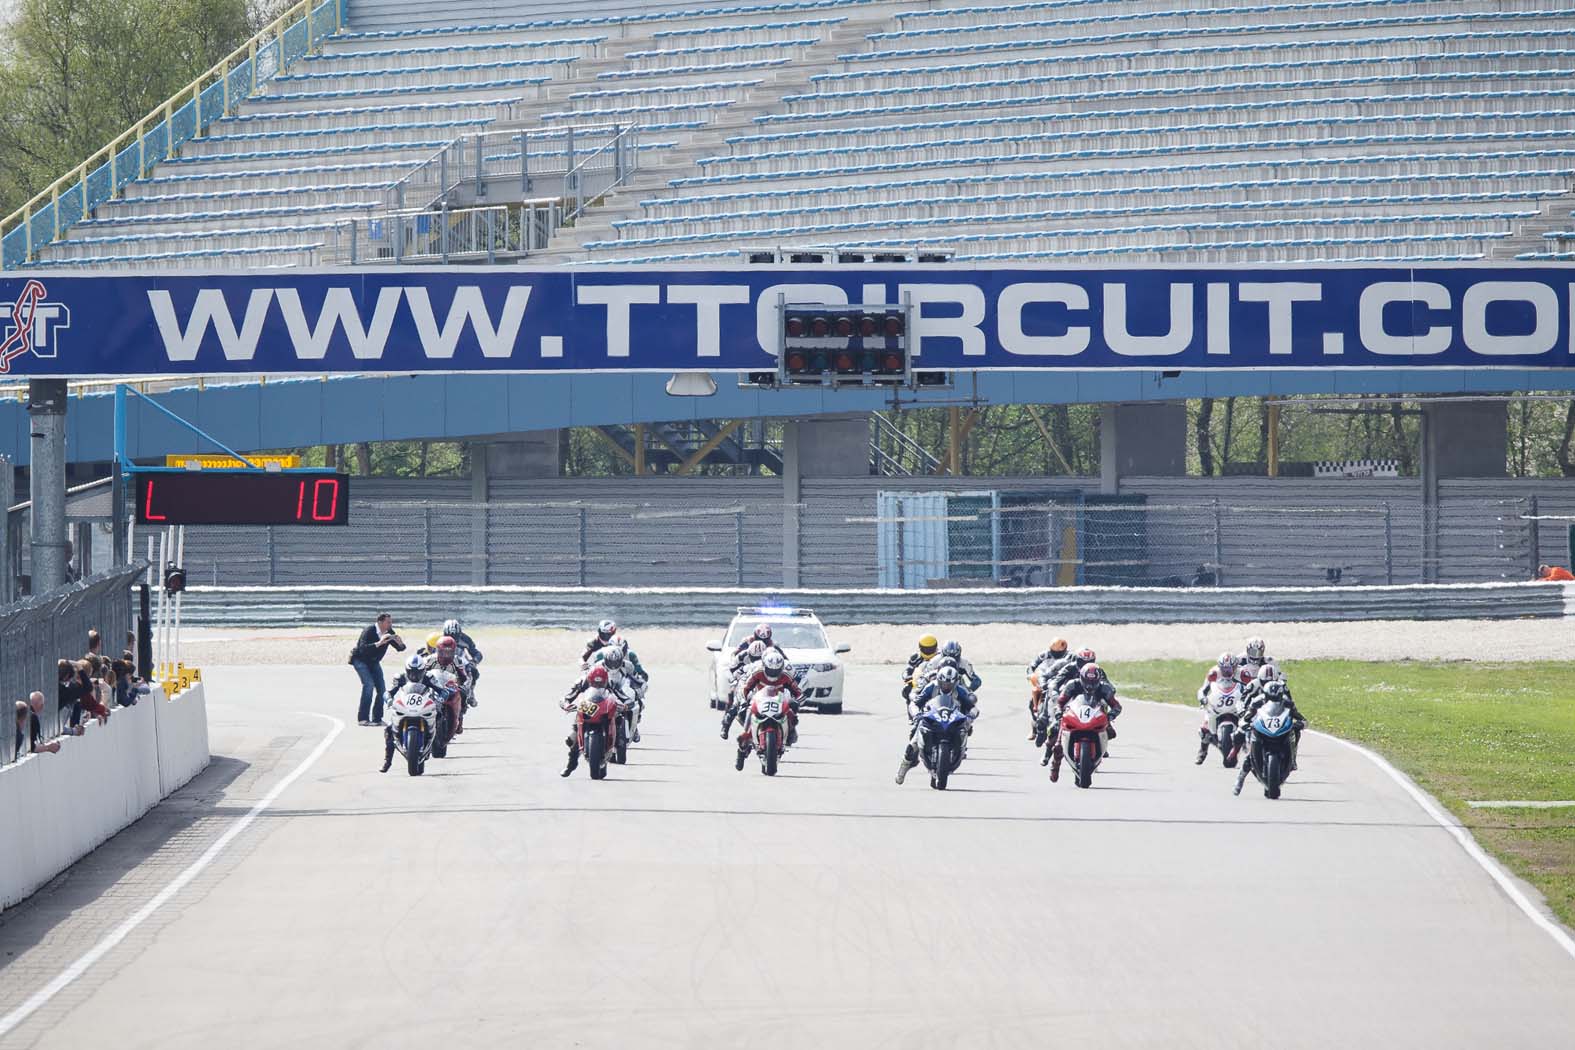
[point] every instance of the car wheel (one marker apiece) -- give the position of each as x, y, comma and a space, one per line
830, 709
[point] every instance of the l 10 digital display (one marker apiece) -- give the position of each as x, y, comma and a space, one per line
230, 497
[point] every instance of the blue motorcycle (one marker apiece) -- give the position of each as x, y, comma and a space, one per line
943, 729
1272, 739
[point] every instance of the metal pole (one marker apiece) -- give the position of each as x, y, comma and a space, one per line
582, 546
1219, 548
524, 163
738, 546
159, 651
119, 530
180, 560
7, 497
426, 539
1534, 553
1389, 544
46, 406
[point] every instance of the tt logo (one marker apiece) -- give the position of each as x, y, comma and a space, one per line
30, 324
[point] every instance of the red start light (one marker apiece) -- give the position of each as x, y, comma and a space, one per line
846, 362
795, 361
894, 324
844, 327
868, 325
891, 362
819, 327
795, 327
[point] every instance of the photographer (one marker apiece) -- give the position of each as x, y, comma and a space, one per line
367, 659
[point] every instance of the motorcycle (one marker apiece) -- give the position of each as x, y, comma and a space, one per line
768, 712
450, 696
626, 720
943, 738
1269, 756
595, 721
1083, 737
1222, 709
412, 719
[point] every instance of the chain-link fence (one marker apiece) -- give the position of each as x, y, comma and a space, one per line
889, 532
37, 632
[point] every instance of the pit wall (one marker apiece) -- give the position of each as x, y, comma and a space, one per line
56, 809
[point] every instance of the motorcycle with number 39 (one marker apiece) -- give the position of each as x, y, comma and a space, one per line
768, 717
595, 721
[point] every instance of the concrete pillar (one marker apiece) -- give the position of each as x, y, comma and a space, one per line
1459, 439
46, 406
1141, 440
533, 454
818, 447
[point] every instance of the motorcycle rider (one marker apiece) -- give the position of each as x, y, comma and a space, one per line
472, 655
771, 672
443, 659
1255, 656
1070, 667
946, 683
952, 653
1055, 654
413, 677
744, 664
1041, 672
605, 632
600, 684
926, 651
1226, 668
1274, 691
761, 634
616, 658
1091, 683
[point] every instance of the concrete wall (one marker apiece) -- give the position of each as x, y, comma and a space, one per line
56, 809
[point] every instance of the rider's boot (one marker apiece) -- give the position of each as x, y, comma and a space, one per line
638, 711
1203, 746
574, 758
727, 719
1241, 775
388, 749
909, 759
1055, 764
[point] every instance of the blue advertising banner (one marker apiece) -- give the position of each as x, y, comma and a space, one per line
630, 320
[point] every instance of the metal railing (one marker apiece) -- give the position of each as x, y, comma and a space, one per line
157, 136
592, 158
893, 453
481, 234
37, 632
693, 607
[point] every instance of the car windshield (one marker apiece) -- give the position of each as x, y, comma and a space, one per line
805, 634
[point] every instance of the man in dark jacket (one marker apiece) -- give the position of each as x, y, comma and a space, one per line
367, 659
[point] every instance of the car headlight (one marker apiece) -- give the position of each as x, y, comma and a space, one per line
822, 667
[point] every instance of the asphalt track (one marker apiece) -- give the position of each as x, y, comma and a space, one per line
683, 904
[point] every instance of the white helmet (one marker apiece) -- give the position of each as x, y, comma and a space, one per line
946, 678
773, 662
1269, 673
606, 629
757, 649
1255, 647
451, 628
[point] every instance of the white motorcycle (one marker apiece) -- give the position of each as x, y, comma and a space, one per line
1222, 705
412, 718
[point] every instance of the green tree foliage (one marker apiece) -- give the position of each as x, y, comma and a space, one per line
74, 74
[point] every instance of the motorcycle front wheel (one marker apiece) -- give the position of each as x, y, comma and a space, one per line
413, 751
1085, 764
596, 753
1273, 774
942, 768
621, 749
770, 751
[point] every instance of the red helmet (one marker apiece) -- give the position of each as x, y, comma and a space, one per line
1091, 674
598, 677
1085, 656
446, 647
763, 632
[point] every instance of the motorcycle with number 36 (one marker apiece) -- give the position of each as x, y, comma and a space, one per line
1222, 710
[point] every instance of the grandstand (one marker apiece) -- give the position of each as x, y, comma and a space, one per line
1140, 131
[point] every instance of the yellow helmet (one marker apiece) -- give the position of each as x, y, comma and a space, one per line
928, 645
433, 639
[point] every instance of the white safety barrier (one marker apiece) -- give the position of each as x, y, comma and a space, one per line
56, 809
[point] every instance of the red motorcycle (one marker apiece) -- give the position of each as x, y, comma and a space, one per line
595, 725
768, 711
1084, 725
448, 685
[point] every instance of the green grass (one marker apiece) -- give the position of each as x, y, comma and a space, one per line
1460, 730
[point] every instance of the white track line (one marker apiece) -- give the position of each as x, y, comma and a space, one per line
1514, 804
1495, 871
64, 979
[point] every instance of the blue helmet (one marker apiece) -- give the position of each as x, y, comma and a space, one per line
952, 650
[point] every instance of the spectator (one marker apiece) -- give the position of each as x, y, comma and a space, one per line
73, 570
77, 680
1554, 574
70, 691
27, 721
128, 687
95, 643
367, 659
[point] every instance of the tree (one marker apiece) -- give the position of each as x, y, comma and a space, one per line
74, 74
